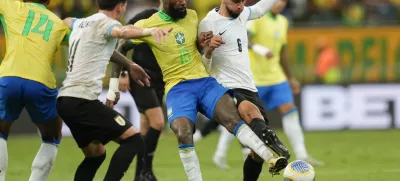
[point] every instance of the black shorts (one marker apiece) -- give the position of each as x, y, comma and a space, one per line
91, 120
147, 97
246, 95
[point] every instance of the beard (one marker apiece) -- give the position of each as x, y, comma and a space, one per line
179, 13
232, 14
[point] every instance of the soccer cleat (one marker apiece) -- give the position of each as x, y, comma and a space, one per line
313, 161
277, 164
272, 141
220, 162
148, 176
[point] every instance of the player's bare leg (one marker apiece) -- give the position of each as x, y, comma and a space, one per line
183, 129
4, 131
131, 143
227, 114
144, 124
46, 156
209, 126
294, 132
152, 123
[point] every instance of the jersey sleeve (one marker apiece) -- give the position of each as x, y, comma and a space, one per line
8, 6
260, 8
246, 14
106, 25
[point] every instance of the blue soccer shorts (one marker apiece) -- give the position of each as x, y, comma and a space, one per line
275, 95
18, 93
191, 96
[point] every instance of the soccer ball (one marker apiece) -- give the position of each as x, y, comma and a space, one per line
299, 171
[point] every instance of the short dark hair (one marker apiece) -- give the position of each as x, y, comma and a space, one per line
142, 15
109, 5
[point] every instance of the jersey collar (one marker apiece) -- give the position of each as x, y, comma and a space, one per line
269, 14
166, 17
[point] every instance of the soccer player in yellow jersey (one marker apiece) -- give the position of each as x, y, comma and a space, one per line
275, 83
33, 35
190, 89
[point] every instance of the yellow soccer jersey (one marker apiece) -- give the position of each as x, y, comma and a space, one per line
270, 32
178, 56
33, 35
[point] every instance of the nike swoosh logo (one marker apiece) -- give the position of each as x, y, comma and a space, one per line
222, 33
190, 169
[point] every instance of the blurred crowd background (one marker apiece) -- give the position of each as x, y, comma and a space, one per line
330, 41
349, 13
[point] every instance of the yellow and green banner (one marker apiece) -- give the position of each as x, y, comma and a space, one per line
366, 54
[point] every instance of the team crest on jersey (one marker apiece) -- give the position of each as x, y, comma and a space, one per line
180, 38
120, 120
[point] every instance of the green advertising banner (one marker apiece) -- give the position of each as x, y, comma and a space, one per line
366, 54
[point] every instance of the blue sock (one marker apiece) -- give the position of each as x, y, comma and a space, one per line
237, 127
3, 137
53, 142
183, 146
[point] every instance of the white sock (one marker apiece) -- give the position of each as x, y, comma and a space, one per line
224, 141
190, 163
248, 138
3, 159
294, 132
197, 136
43, 162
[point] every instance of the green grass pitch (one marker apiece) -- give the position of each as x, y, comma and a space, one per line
349, 156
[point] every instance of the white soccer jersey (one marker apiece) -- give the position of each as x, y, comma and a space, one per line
230, 62
90, 49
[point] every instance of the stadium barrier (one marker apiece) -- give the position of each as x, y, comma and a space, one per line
355, 107
322, 108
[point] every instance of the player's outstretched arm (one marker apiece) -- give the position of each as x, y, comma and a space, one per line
123, 47
133, 32
262, 7
135, 71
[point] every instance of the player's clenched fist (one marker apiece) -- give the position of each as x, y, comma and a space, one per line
158, 34
204, 38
